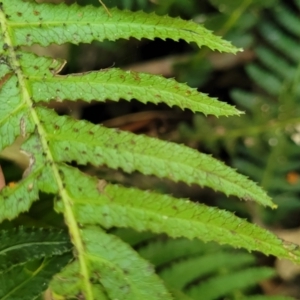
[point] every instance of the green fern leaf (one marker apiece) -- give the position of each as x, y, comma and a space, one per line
25, 244
81, 141
46, 24
114, 84
29, 281
117, 267
272, 84
224, 284
114, 205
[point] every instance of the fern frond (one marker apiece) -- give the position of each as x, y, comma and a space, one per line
224, 284
106, 267
47, 24
21, 245
118, 268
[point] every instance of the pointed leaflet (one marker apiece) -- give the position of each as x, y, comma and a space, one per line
87, 143
202, 266
46, 24
117, 267
28, 281
132, 237
162, 252
20, 245
142, 210
114, 84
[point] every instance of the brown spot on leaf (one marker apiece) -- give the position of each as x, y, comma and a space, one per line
5, 78
30, 187
101, 184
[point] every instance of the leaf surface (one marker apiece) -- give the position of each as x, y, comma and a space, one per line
114, 84
45, 24
86, 143
112, 205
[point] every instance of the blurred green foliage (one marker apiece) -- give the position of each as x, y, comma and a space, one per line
264, 143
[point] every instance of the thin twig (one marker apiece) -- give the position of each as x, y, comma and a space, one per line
104, 6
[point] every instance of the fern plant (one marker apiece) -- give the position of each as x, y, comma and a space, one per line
104, 266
